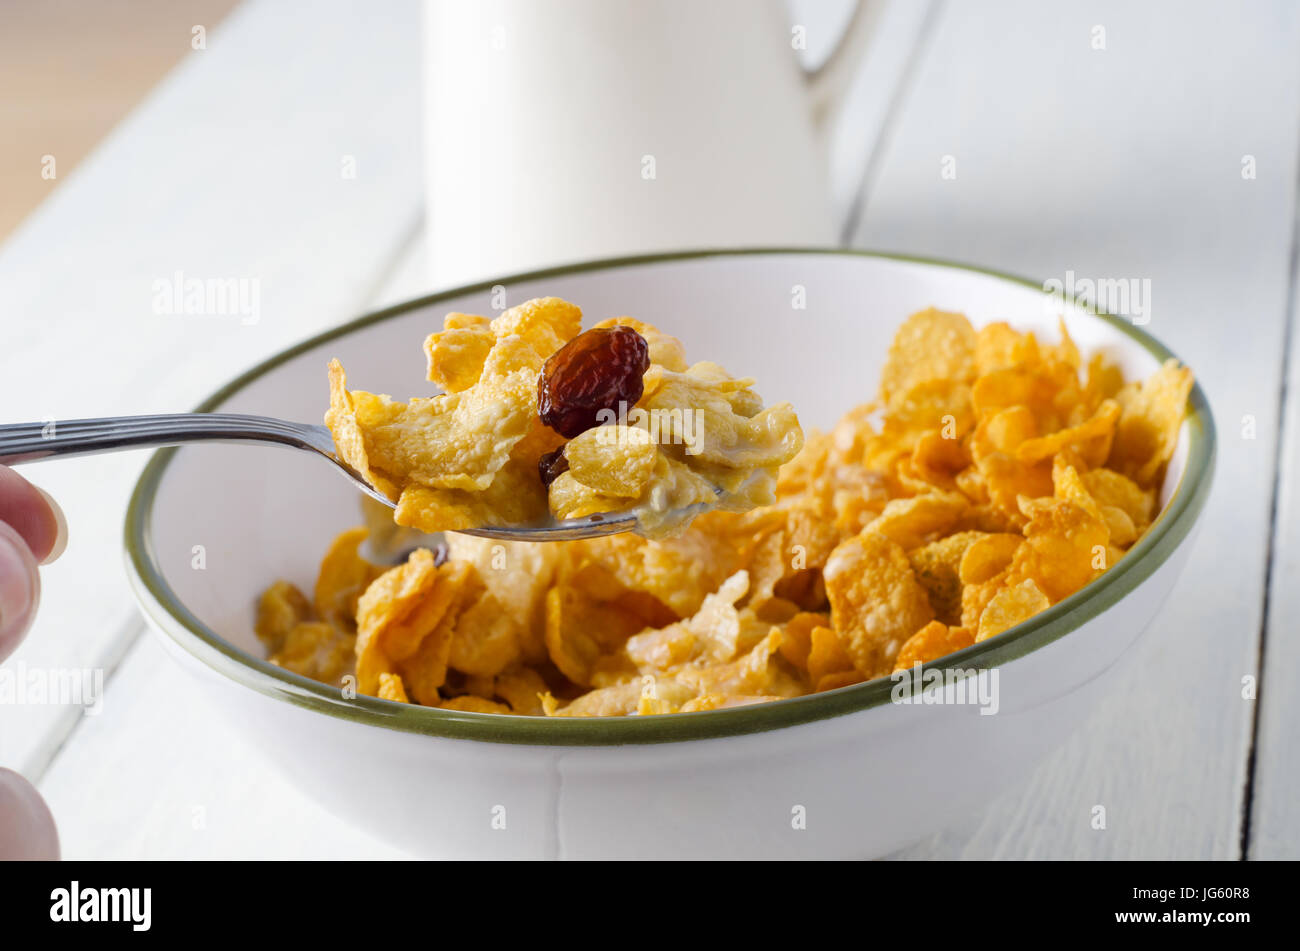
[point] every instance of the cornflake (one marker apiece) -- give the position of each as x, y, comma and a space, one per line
995, 475
662, 440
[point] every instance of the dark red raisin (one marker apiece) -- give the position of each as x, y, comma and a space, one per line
551, 465
594, 371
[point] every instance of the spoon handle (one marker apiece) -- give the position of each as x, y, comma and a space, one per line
32, 442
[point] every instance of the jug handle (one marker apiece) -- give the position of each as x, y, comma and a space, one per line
830, 82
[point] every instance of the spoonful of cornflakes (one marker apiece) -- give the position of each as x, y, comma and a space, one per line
541, 433
546, 432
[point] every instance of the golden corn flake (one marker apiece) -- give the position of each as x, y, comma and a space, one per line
1009, 607
914, 522
930, 347
876, 601
585, 636
390, 688
470, 457
522, 689
515, 578
976, 597
931, 642
456, 355
1064, 549
998, 346
317, 650
668, 497
796, 638
1032, 389
757, 672
281, 607
625, 699
841, 678
1104, 380
344, 574
826, 655
938, 459
472, 704
515, 497
486, 640
425, 671
297, 640
456, 441
995, 474
932, 405
545, 324
724, 401
679, 572
938, 568
1003, 430
711, 635
570, 499
1151, 413
399, 610
1111, 489
613, 460
1091, 439
987, 555
1007, 480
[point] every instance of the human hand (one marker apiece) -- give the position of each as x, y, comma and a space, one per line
33, 532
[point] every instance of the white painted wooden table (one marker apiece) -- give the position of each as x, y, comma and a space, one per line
1122, 161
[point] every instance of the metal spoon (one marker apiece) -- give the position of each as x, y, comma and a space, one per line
32, 442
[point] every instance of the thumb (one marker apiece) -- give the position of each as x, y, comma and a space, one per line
27, 830
20, 589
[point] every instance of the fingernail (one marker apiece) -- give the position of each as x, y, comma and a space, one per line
61, 541
20, 589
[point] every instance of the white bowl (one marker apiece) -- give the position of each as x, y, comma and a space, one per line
846, 773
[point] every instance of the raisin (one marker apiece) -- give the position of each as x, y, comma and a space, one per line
551, 465
594, 371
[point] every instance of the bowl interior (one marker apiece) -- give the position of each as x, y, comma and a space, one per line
228, 520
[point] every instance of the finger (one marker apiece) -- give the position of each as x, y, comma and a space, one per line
27, 829
36, 516
20, 589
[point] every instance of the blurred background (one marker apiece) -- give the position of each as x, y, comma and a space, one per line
74, 70
343, 156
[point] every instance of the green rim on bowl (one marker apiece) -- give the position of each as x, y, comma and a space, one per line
163, 607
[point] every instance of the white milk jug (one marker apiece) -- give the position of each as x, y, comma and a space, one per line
566, 130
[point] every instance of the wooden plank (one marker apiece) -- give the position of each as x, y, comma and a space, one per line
1273, 830
158, 774
234, 167
1128, 162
